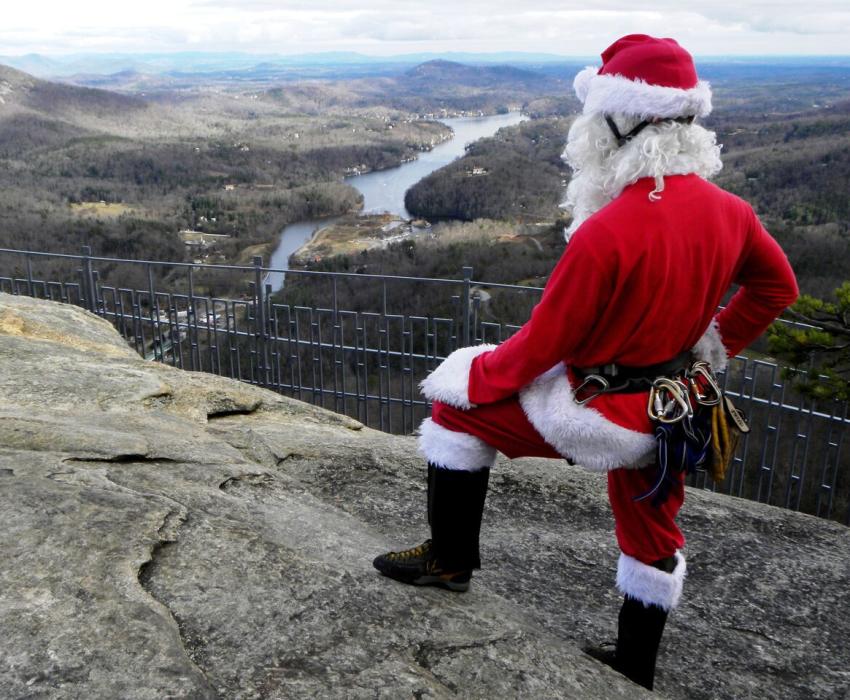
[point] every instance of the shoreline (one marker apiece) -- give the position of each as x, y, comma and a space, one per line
386, 191
349, 235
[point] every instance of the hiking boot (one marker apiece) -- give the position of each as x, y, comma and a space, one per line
418, 566
455, 505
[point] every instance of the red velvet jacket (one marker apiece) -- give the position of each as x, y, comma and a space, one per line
640, 282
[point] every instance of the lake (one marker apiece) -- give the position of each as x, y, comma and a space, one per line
383, 190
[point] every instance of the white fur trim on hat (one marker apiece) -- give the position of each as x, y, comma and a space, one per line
581, 83
449, 382
450, 449
616, 94
710, 348
580, 432
649, 585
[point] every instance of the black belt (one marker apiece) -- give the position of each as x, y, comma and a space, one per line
626, 379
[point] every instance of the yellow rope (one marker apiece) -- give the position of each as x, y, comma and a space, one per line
723, 442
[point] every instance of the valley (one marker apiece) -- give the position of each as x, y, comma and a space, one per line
130, 171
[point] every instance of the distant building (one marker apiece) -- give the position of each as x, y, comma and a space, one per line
200, 239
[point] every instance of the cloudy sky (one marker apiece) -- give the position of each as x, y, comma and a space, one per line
381, 27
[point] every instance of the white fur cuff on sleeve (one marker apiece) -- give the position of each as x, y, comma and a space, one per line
710, 348
649, 585
449, 383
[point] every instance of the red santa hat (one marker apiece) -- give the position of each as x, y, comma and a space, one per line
645, 77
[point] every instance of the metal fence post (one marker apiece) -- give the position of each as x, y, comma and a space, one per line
465, 310
88, 280
158, 346
30, 287
260, 320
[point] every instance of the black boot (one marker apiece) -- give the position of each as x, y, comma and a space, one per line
455, 506
638, 637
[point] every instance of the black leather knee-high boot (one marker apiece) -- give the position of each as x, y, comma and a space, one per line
455, 507
456, 499
638, 638
639, 630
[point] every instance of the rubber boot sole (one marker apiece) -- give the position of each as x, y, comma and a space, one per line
457, 586
432, 580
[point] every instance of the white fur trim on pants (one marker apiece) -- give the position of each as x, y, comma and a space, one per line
581, 433
449, 383
616, 94
450, 449
649, 585
710, 348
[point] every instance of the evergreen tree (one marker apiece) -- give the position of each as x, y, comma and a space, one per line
818, 347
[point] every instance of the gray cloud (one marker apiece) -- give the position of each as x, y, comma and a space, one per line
385, 26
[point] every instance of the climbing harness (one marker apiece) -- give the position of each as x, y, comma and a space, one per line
697, 427
696, 424
681, 409
621, 379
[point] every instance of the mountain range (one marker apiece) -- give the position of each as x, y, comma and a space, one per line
342, 62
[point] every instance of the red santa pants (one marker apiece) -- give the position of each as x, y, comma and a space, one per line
645, 532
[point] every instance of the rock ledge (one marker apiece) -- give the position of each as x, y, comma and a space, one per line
169, 534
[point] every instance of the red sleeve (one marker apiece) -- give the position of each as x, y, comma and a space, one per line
579, 286
768, 287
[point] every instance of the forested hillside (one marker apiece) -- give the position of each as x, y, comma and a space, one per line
795, 170
516, 174
125, 174
794, 167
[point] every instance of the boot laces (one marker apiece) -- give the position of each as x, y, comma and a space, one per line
432, 567
412, 553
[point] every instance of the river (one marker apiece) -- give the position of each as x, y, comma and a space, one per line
383, 190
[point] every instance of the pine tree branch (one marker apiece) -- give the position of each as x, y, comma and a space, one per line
826, 348
822, 324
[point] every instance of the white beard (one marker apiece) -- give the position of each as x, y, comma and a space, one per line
602, 169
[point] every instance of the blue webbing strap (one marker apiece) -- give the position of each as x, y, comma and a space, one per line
679, 447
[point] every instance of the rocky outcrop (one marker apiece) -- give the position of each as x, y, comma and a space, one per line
169, 534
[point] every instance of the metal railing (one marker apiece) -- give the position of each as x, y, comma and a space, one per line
314, 341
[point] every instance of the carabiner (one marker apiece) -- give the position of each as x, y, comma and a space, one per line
702, 370
665, 397
603, 383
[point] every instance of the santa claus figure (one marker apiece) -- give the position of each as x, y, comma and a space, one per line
653, 248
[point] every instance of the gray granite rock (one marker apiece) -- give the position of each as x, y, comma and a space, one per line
175, 535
